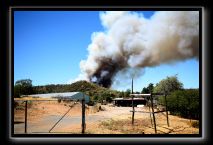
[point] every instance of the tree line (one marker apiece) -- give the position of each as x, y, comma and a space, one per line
182, 102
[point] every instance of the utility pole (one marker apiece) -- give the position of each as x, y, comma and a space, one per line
133, 109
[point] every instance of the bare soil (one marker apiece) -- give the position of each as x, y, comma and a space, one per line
42, 116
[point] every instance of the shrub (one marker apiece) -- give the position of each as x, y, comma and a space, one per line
195, 124
91, 103
16, 104
184, 103
59, 100
29, 104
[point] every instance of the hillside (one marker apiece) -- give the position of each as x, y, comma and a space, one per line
94, 91
97, 93
84, 86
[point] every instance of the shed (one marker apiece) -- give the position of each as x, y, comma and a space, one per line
128, 101
76, 96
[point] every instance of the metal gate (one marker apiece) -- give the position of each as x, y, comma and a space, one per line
49, 116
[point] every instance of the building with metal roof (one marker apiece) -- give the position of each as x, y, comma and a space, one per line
128, 101
75, 96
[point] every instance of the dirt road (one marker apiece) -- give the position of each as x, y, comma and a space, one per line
72, 121
109, 121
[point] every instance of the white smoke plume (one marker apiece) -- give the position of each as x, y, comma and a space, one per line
132, 41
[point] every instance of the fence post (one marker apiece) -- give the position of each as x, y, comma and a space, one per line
153, 113
133, 109
25, 122
83, 114
150, 114
167, 117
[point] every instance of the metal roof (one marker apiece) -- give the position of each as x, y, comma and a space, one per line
140, 94
116, 99
66, 95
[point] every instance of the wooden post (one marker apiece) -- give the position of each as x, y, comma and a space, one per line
150, 114
83, 115
25, 122
167, 116
133, 109
153, 113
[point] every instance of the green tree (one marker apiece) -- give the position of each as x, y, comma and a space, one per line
127, 93
148, 89
120, 94
23, 87
145, 90
168, 85
184, 103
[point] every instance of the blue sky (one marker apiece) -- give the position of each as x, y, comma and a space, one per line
48, 47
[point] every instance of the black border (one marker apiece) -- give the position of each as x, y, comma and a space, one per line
109, 3
4, 53
108, 135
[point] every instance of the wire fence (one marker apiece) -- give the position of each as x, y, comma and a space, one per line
117, 120
47, 116
66, 116
62, 116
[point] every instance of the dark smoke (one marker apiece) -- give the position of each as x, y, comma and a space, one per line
106, 71
131, 41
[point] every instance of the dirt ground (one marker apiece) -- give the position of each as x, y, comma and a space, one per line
43, 115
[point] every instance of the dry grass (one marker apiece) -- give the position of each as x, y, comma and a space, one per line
194, 123
120, 122
143, 125
125, 126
